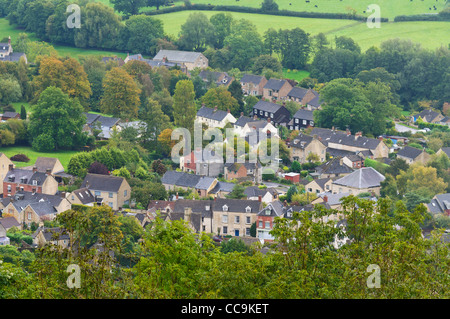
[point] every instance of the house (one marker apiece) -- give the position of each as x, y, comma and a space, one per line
354, 161
10, 222
445, 150
44, 164
301, 95
190, 60
7, 53
214, 117
345, 141
333, 200
29, 181
275, 90
120, 62
243, 171
440, 204
413, 155
84, 196
258, 126
10, 115
156, 64
219, 78
335, 167
428, 116
444, 121
203, 185
222, 189
242, 121
234, 216
265, 218
161, 206
314, 104
320, 185
301, 119
303, 145
266, 195
198, 213
363, 180
253, 84
293, 177
139, 126
4, 240
27, 207
5, 164
104, 124
114, 190
278, 114
54, 236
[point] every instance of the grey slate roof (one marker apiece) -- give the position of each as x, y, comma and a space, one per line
267, 106
250, 78
315, 102
341, 137
9, 222
275, 208
209, 113
85, 196
177, 56
409, 152
297, 92
439, 204
13, 57
203, 207
253, 191
333, 166
10, 114
301, 141
237, 205
50, 234
223, 187
446, 150
105, 183
334, 199
304, 115
274, 84
365, 177
428, 115
205, 182
25, 176
44, 163
214, 76
242, 120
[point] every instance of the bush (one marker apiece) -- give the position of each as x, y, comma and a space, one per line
20, 158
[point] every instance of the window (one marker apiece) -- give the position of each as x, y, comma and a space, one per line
236, 219
9, 188
125, 192
225, 208
266, 114
256, 111
261, 112
248, 209
110, 195
225, 229
267, 212
267, 225
296, 120
260, 224
225, 219
110, 204
247, 231
29, 216
310, 190
248, 220
311, 123
304, 122
97, 193
271, 115
34, 182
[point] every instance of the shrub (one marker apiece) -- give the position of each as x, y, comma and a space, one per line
20, 158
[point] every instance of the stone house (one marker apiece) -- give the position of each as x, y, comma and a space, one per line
318, 186
190, 60
303, 145
253, 84
214, 117
114, 190
413, 155
275, 90
363, 180
5, 163
28, 181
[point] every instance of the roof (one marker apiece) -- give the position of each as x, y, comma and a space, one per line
334, 199
10, 114
106, 183
160, 205
13, 57
409, 152
439, 204
177, 56
428, 115
315, 102
223, 187
365, 177
213, 114
274, 84
334, 166
321, 182
44, 163
55, 233
25, 176
43, 208
304, 115
203, 207
9, 222
205, 182
242, 120
250, 78
301, 141
446, 150
106, 121
297, 92
267, 106
275, 208
214, 76
84, 195
254, 191
237, 205
341, 137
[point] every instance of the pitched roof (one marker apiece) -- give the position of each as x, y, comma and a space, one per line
9, 222
214, 76
365, 177
341, 137
203, 207
84, 195
446, 150
10, 114
90, 118
44, 163
409, 152
267, 106
250, 78
13, 57
177, 56
321, 182
205, 182
254, 191
301, 141
106, 121
273, 209
106, 183
25, 176
237, 205
242, 120
440, 203
334, 166
213, 114
223, 187
275, 84
334, 199
315, 102
428, 115
304, 115
50, 234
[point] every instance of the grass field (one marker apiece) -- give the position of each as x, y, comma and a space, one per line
389, 8
296, 75
429, 34
63, 156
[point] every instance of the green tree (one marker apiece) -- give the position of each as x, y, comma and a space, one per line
196, 32
237, 192
23, 112
184, 110
269, 6
130, 7
222, 28
142, 42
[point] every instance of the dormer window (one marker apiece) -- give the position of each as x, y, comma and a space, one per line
248, 209
225, 208
34, 182
267, 212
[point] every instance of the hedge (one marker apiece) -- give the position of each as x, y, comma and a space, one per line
287, 13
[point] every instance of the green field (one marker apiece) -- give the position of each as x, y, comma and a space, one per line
63, 156
389, 8
430, 34
296, 75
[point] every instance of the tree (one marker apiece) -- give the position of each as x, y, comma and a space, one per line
184, 111
121, 94
7, 138
296, 167
221, 98
142, 42
165, 141
11, 90
56, 121
237, 192
98, 168
130, 7
156, 3
294, 48
266, 62
422, 180
222, 28
269, 6
234, 245
196, 32
156, 121
23, 112
347, 43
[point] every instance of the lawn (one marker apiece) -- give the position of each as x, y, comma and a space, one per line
431, 34
389, 8
296, 75
63, 156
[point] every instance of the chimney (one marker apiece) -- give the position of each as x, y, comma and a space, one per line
11, 167
228, 110
215, 108
177, 196
187, 214
268, 120
34, 169
63, 194
259, 198
358, 134
332, 128
48, 171
242, 113
285, 203
9, 40
325, 199
341, 161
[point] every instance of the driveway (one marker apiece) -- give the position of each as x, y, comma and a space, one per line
401, 128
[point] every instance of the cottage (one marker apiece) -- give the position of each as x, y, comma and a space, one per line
218, 78
445, 150
303, 145
301, 95
318, 186
301, 119
10, 222
440, 204
198, 213
333, 168
10, 115
278, 114
54, 236
333, 200
222, 189
428, 116
413, 155
253, 84
103, 124
214, 117
363, 180
113, 190
275, 89
29, 181
84, 196
161, 206
243, 171
266, 195
189, 59
7, 53
265, 218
